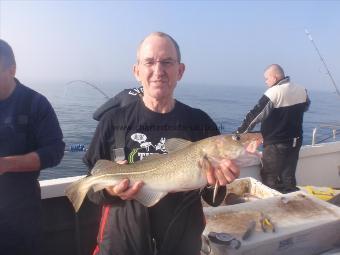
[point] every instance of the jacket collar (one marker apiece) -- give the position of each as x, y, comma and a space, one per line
284, 80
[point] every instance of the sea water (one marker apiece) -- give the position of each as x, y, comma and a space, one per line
227, 106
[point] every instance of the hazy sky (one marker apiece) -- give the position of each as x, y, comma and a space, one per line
223, 43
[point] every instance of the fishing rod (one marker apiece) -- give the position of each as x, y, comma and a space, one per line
323, 61
78, 147
91, 85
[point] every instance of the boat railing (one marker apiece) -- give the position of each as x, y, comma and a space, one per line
335, 128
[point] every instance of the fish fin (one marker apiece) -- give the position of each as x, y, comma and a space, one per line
149, 197
215, 191
102, 164
174, 144
205, 163
76, 191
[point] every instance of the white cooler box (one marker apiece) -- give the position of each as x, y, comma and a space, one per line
303, 225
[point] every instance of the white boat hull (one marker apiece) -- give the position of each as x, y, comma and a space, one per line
319, 165
68, 234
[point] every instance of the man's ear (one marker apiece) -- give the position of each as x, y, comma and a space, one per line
136, 72
181, 69
12, 70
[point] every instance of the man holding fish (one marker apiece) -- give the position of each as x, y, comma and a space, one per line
153, 206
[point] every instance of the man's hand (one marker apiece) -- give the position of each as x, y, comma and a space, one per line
225, 172
122, 189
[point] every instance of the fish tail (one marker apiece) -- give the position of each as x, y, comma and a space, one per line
77, 191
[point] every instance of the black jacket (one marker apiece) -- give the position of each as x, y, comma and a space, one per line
27, 123
123, 98
280, 111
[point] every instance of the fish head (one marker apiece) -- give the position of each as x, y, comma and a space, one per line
251, 141
227, 147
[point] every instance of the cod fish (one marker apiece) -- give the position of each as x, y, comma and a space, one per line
181, 169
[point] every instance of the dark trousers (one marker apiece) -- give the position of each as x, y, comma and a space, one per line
279, 166
21, 233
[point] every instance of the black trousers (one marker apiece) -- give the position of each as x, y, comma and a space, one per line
21, 232
279, 163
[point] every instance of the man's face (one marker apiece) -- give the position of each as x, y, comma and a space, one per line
158, 68
270, 78
6, 74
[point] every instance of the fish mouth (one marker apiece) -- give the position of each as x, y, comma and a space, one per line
251, 141
249, 157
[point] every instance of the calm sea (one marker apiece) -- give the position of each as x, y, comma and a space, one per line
75, 103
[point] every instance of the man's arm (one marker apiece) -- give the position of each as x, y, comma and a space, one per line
100, 144
46, 134
99, 148
223, 173
260, 112
22, 163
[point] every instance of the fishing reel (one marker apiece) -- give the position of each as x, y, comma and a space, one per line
218, 243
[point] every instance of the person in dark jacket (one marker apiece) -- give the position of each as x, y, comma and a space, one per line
30, 140
280, 111
138, 129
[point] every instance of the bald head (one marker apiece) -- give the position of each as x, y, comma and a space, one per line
6, 55
163, 35
273, 74
7, 70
